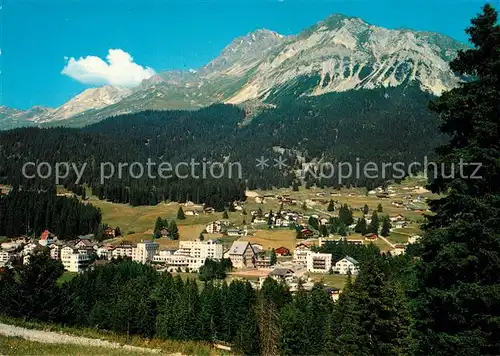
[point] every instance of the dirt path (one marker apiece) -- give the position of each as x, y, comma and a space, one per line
50, 337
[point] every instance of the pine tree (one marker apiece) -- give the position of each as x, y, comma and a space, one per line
366, 209
345, 215
342, 230
273, 259
379, 208
331, 206
386, 226
159, 224
374, 224
180, 214
225, 215
373, 313
201, 238
304, 206
360, 227
173, 231
459, 275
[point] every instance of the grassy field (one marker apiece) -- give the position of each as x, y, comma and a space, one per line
137, 223
331, 280
273, 238
66, 277
17, 346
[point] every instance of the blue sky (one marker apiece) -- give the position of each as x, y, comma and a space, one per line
38, 36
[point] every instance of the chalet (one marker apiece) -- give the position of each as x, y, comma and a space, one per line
345, 265
209, 210
398, 217
83, 243
242, 254
383, 195
398, 203
400, 224
190, 213
282, 251
282, 275
399, 249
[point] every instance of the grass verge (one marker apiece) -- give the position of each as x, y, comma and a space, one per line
167, 346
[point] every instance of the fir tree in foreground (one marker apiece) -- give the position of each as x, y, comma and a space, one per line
180, 214
458, 300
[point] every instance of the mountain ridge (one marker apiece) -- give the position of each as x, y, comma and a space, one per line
339, 53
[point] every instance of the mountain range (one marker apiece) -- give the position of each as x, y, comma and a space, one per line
264, 68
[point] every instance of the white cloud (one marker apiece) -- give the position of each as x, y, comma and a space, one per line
119, 69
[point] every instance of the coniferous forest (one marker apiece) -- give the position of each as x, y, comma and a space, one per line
24, 212
442, 299
338, 127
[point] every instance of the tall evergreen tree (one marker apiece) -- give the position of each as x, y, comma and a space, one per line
386, 226
173, 231
273, 257
366, 209
331, 206
345, 215
374, 224
360, 227
180, 214
458, 299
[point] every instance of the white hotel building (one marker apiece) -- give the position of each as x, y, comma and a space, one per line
201, 249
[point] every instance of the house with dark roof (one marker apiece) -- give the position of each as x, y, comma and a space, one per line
242, 254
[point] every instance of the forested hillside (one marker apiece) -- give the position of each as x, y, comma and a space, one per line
384, 125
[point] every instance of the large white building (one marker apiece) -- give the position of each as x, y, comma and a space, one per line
347, 264
175, 260
319, 262
201, 249
144, 251
123, 250
74, 260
